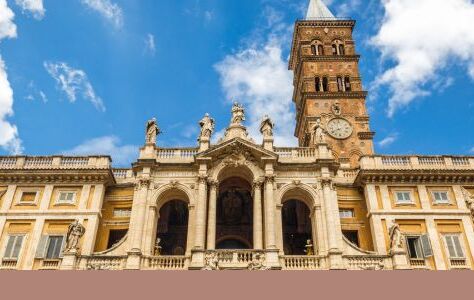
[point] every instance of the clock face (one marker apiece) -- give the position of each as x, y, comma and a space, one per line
340, 128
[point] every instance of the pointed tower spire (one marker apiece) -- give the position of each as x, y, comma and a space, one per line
319, 11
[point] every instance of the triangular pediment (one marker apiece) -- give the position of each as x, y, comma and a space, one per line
237, 147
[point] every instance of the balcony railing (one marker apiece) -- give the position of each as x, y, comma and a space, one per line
54, 162
366, 262
50, 264
301, 262
416, 162
103, 262
418, 263
458, 263
177, 155
8, 264
165, 262
296, 154
122, 173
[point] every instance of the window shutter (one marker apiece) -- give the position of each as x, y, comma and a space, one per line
17, 246
9, 249
41, 249
458, 247
63, 245
450, 245
426, 245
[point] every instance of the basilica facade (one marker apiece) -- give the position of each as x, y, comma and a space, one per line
331, 203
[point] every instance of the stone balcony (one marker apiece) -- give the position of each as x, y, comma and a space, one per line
54, 162
416, 162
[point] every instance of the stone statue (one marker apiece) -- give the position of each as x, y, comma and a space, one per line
74, 233
309, 248
257, 263
396, 238
158, 247
266, 127
469, 201
336, 109
211, 261
152, 131
207, 127
319, 134
238, 114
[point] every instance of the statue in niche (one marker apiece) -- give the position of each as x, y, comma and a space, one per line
309, 248
238, 114
211, 261
158, 247
336, 109
257, 263
396, 238
74, 233
152, 131
266, 127
469, 201
319, 134
207, 126
232, 206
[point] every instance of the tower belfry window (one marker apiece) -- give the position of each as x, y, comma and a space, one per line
340, 84
325, 84
341, 50
347, 84
318, 84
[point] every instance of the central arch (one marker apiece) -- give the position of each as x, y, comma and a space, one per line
234, 224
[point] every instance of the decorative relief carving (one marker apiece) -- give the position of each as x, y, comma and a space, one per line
469, 201
142, 183
257, 263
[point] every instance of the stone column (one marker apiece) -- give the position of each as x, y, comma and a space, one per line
333, 225
136, 223
272, 260
212, 214
197, 259
257, 215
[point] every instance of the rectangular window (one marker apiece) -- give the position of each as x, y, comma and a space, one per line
122, 212
403, 197
66, 197
415, 248
346, 213
13, 248
53, 250
28, 197
441, 197
454, 247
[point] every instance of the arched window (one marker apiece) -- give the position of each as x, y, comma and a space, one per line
325, 84
341, 49
317, 48
347, 84
340, 84
318, 84
338, 48
296, 225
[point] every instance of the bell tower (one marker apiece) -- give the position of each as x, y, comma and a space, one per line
328, 89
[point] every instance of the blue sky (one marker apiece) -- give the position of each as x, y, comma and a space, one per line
87, 74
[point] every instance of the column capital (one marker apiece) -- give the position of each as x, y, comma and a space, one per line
212, 182
142, 183
202, 179
257, 183
270, 178
327, 182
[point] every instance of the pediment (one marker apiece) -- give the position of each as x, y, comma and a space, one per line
237, 148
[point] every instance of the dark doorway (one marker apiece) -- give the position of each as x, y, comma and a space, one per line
296, 225
173, 227
231, 244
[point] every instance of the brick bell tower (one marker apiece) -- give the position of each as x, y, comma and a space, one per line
327, 85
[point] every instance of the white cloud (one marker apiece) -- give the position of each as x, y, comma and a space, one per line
258, 77
422, 38
109, 10
122, 155
150, 45
9, 139
472, 150
35, 7
7, 27
387, 141
73, 82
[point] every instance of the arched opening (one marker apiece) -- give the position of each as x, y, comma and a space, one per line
172, 228
297, 227
234, 214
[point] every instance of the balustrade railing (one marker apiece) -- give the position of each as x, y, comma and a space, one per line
416, 162
300, 262
105, 262
50, 264
54, 162
165, 262
8, 264
365, 262
120, 173
418, 263
458, 263
286, 154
